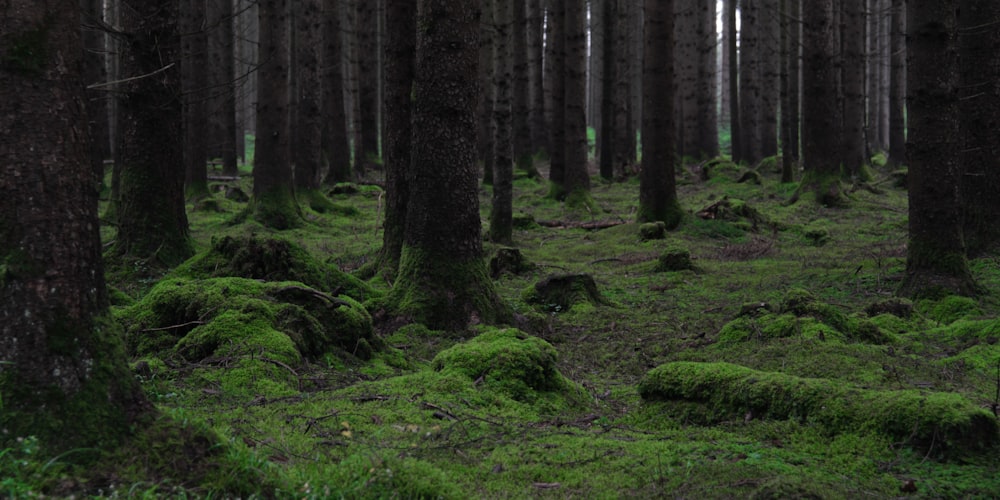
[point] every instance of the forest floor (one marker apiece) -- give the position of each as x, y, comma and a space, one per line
776, 365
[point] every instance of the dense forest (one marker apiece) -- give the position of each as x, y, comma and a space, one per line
500, 248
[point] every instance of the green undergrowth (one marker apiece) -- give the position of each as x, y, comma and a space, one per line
775, 362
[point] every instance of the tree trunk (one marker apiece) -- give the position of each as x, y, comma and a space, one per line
686, 45
751, 140
308, 120
194, 83
608, 123
821, 114
367, 154
577, 178
335, 142
980, 112
63, 378
523, 152
443, 280
853, 84
536, 112
626, 72
724, 58
594, 26
657, 185
897, 85
487, 95
735, 123
790, 40
769, 57
95, 73
400, 53
707, 140
152, 223
501, 215
221, 77
557, 99
874, 74
273, 203
935, 254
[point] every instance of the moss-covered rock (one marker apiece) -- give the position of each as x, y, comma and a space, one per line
560, 293
507, 360
271, 259
944, 421
652, 231
509, 260
674, 259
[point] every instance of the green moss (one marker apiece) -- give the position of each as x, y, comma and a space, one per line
564, 292
652, 231
674, 259
276, 209
509, 361
949, 309
940, 420
318, 202
444, 295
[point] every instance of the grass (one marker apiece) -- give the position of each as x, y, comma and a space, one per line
556, 411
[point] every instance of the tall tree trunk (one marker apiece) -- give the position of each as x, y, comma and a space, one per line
63, 377
335, 142
707, 140
853, 82
821, 114
273, 203
724, 58
501, 212
536, 112
400, 54
935, 254
152, 224
487, 95
577, 178
686, 45
194, 83
443, 281
523, 150
790, 40
885, 54
735, 123
768, 19
94, 74
608, 87
367, 154
980, 114
874, 74
626, 72
657, 185
897, 85
557, 98
308, 124
751, 141
221, 77
594, 21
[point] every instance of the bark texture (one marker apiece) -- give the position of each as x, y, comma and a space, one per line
577, 178
335, 142
501, 211
308, 120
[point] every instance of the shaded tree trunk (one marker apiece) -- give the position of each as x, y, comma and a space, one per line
751, 140
608, 87
657, 185
501, 212
735, 123
64, 377
935, 254
686, 45
707, 139
335, 142
821, 113
853, 84
95, 73
152, 223
487, 95
443, 281
194, 83
273, 203
400, 54
874, 74
536, 112
577, 178
308, 120
769, 56
790, 39
221, 77
980, 116
367, 152
557, 98
724, 58
523, 151
897, 85
626, 72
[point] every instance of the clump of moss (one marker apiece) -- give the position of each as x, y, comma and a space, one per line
560, 293
507, 360
674, 259
509, 260
949, 309
271, 259
944, 421
652, 231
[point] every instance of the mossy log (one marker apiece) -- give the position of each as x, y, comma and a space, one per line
934, 421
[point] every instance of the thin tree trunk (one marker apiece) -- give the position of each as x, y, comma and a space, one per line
95, 72
194, 82
768, 19
335, 141
608, 122
367, 32
897, 86
308, 124
221, 75
725, 56
523, 152
735, 123
536, 112
501, 226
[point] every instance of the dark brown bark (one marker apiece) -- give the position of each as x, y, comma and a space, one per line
557, 98
194, 83
443, 280
273, 202
707, 133
873, 74
935, 254
980, 115
400, 54
367, 155
308, 130
897, 85
221, 79
853, 85
626, 72
657, 184
520, 103
751, 140
484, 106
501, 211
790, 40
94, 74
335, 142
686, 45
768, 20
608, 122
577, 177
724, 59
152, 224
536, 113
64, 376
735, 127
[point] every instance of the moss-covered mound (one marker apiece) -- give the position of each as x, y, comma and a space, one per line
929, 420
271, 259
565, 291
226, 317
508, 360
802, 314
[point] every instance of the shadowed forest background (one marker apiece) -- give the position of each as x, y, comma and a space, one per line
499, 248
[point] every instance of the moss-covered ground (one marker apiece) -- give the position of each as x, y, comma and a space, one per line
776, 365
